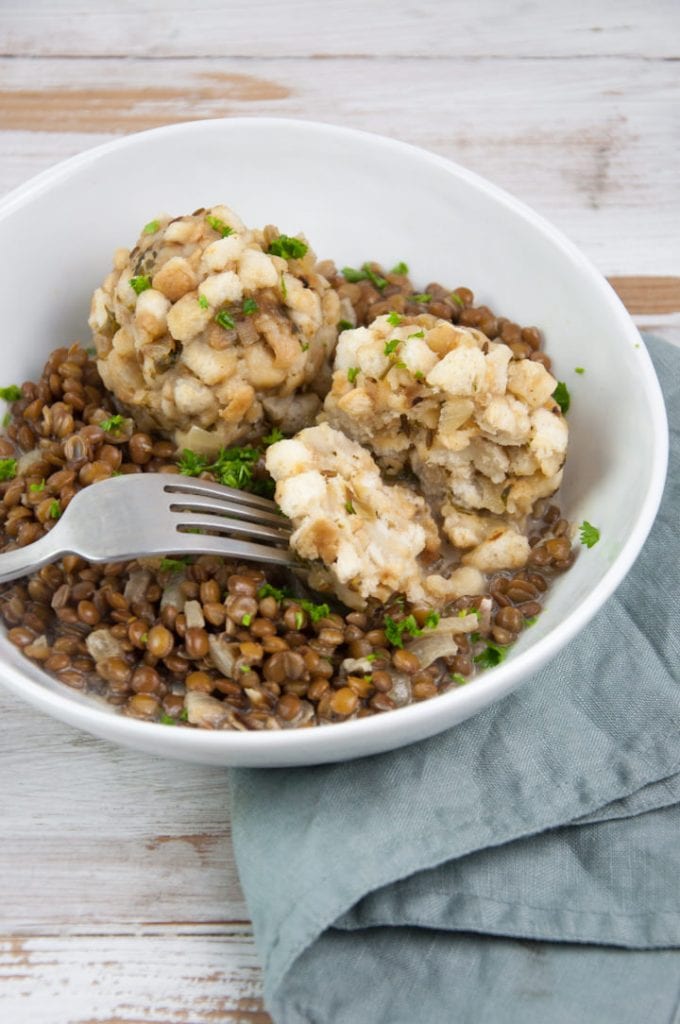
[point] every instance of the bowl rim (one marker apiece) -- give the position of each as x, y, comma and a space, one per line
87, 714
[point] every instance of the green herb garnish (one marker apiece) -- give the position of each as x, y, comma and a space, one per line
218, 225
37, 488
419, 375
284, 290
365, 274
267, 590
457, 299
432, 620
288, 248
8, 469
299, 620
458, 678
234, 466
418, 334
399, 268
352, 275
91, 350
491, 656
304, 345
191, 464
203, 302
315, 611
225, 320
55, 509
562, 396
394, 631
394, 319
579, 369
184, 715
352, 374
349, 508
140, 283
247, 619
113, 424
173, 564
151, 228
532, 621
391, 346
370, 657
6, 419
249, 307
400, 365
422, 297
12, 393
167, 720
273, 436
345, 325
589, 534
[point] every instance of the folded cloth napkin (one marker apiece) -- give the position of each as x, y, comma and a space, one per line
521, 867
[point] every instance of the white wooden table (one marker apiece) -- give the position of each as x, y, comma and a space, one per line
120, 901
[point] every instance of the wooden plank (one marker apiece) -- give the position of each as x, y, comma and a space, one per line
604, 171
164, 28
648, 295
131, 979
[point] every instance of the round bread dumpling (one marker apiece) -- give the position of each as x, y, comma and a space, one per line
213, 332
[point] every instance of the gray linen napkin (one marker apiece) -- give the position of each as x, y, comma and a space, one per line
521, 867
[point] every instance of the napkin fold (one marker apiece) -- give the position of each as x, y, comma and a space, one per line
522, 867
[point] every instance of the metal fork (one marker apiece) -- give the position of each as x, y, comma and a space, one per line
158, 514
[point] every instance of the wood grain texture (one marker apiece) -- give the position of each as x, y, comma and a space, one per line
121, 903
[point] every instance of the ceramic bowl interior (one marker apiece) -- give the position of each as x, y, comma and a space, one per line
356, 196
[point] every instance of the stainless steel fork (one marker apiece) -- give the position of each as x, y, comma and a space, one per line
150, 514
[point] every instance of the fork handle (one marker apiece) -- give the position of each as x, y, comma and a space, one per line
22, 561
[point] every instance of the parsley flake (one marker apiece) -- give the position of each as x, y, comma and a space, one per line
6, 419
419, 375
345, 325
562, 396
247, 619
219, 226
365, 274
418, 334
299, 620
140, 283
8, 469
394, 631
400, 268
315, 611
432, 620
458, 678
352, 275
37, 488
352, 374
249, 307
274, 436
173, 564
394, 319
422, 297
391, 346
491, 656
203, 302
113, 424
12, 393
579, 369
167, 719
457, 299
284, 290
267, 590
191, 464
184, 715
151, 228
225, 320
55, 509
350, 509
589, 534
288, 248
531, 622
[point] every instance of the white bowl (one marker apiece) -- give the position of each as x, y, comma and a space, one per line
356, 196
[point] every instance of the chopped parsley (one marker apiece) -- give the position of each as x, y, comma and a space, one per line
304, 345
55, 509
267, 590
167, 719
234, 466
151, 228
219, 226
8, 469
184, 715
352, 374
315, 611
288, 248
419, 375
579, 369
391, 346
249, 307
274, 436
400, 268
11, 393
247, 619
345, 325
589, 534
299, 620
191, 464
350, 509
140, 283
418, 334
203, 302
562, 396
400, 365
394, 319
91, 350
37, 488
532, 621
113, 424
458, 678
394, 631
457, 299
422, 297
173, 564
225, 320
432, 620
491, 656
6, 419
365, 274
370, 657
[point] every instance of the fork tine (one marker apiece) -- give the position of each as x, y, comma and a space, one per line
195, 502
188, 521
230, 547
174, 483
